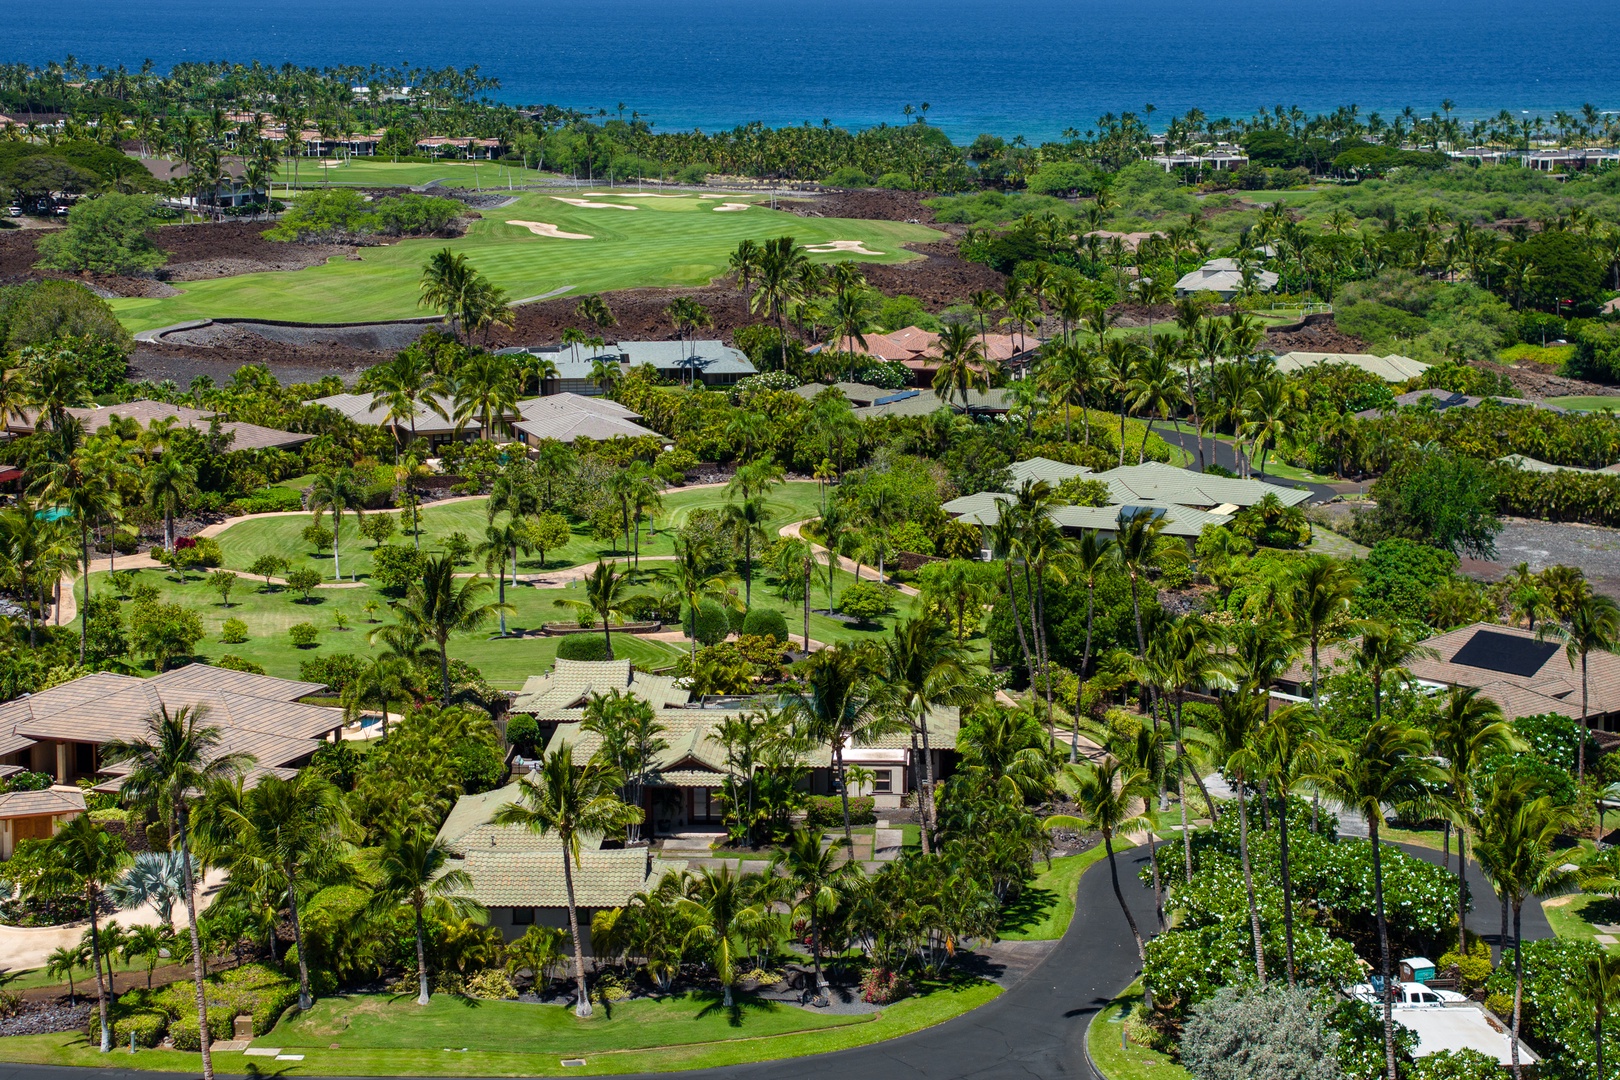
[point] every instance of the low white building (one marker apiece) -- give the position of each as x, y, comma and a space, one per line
1224, 278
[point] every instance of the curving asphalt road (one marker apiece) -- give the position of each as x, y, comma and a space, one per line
1035, 1029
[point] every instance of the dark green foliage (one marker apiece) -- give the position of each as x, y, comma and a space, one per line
713, 623
1441, 498
107, 235
106, 639
337, 670
1557, 1022
765, 622
42, 311
1398, 577
1597, 351
395, 566
867, 600
523, 732
341, 213
1254, 1033
338, 762
582, 647
1567, 278
1065, 608
827, 811
304, 635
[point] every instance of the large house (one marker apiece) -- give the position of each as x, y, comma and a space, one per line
60, 731
1444, 400
1224, 278
712, 363
1187, 502
918, 350
36, 815
1522, 673
233, 188
563, 417
518, 876
1392, 368
242, 436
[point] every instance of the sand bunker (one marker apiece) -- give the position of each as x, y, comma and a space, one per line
725, 207
854, 247
542, 228
622, 195
588, 205
714, 196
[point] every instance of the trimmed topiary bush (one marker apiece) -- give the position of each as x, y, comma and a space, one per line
827, 811
712, 623
303, 634
148, 1028
523, 732
582, 647
232, 662
234, 632
765, 622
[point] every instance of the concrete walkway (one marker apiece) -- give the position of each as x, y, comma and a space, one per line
794, 529
23, 948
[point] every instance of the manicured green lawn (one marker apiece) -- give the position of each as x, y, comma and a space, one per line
1046, 906
635, 242
380, 172
1588, 402
283, 535
1130, 1062
617, 1044
83, 978
1577, 916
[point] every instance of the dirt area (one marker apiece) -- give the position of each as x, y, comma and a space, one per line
872, 204
1542, 544
289, 363
1319, 337
1540, 381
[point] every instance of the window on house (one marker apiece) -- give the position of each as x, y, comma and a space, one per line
883, 781
523, 916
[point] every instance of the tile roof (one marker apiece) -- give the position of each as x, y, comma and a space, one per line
571, 682
1156, 482
244, 436
918, 348
1223, 276
854, 392
1039, 468
602, 879
256, 714
984, 509
1390, 368
1553, 687
1530, 464
924, 401
707, 357
58, 799
566, 417
469, 826
363, 409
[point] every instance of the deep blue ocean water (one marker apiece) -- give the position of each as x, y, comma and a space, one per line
1030, 67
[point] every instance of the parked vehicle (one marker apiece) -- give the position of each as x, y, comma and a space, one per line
1407, 993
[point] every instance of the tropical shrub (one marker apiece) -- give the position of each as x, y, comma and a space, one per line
710, 627
234, 632
522, 731
827, 811
395, 566
304, 635
1270, 1033
867, 600
582, 647
765, 622
1556, 1022
232, 662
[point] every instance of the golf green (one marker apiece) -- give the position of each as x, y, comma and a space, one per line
601, 241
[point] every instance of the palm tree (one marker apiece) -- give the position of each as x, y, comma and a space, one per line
1120, 357
924, 668
436, 607
1104, 794
1520, 830
1154, 387
1292, 747
400, 386
1470, 729
1387, 767
1598, 985
817, 877
566, 801
795, 558
1237, 728
445, 279
696, 575
778, 272
746, 521
385, 679
169, 482
1594, 626
1383, 653
337, 491
605, 597
1320, 603
962, 363
411, 869
148, 942
488, 386
71, 479
721, 916
179, 757
499, 541
63, 961
836, 702
291, 829
86, 858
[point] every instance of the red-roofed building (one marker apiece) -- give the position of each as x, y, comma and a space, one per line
918, 349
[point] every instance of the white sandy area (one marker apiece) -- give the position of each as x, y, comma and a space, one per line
333, 161
542, 228
854, 247
588, 205
622, 195
714, 196
730, 206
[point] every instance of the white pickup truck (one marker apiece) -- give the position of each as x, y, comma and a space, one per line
1408, 993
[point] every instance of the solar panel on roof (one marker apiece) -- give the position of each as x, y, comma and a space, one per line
901, 396
1130, 513
1507, 653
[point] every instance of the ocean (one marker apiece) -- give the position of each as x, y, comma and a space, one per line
1009, 67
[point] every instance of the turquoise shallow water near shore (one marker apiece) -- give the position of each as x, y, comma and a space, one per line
1031, 67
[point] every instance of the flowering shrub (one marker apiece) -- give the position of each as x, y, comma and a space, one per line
879, 986
1555, 1021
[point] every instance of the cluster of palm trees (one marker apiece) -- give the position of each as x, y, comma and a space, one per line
471, 303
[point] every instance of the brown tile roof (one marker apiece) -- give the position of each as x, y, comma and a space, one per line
52, 800
245, 436
256, 714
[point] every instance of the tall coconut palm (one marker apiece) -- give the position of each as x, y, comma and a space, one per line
499, 541
924, 668
697, 575
488, 387
818, 878
1470, 729
290, 830
1120, 358
384, 679
337, 491
1237, 729
71, 479
838, 701
412, 869
1597, 984
1387, 767
168, 482
1318, 604
85, 858
1593, 626
567, 801
446, 277
1382, 654
1104, 794
717, 902
962, 363
401, 387
606, 594
1291, 746
795, 559
778, 273
436, 607
177, 759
